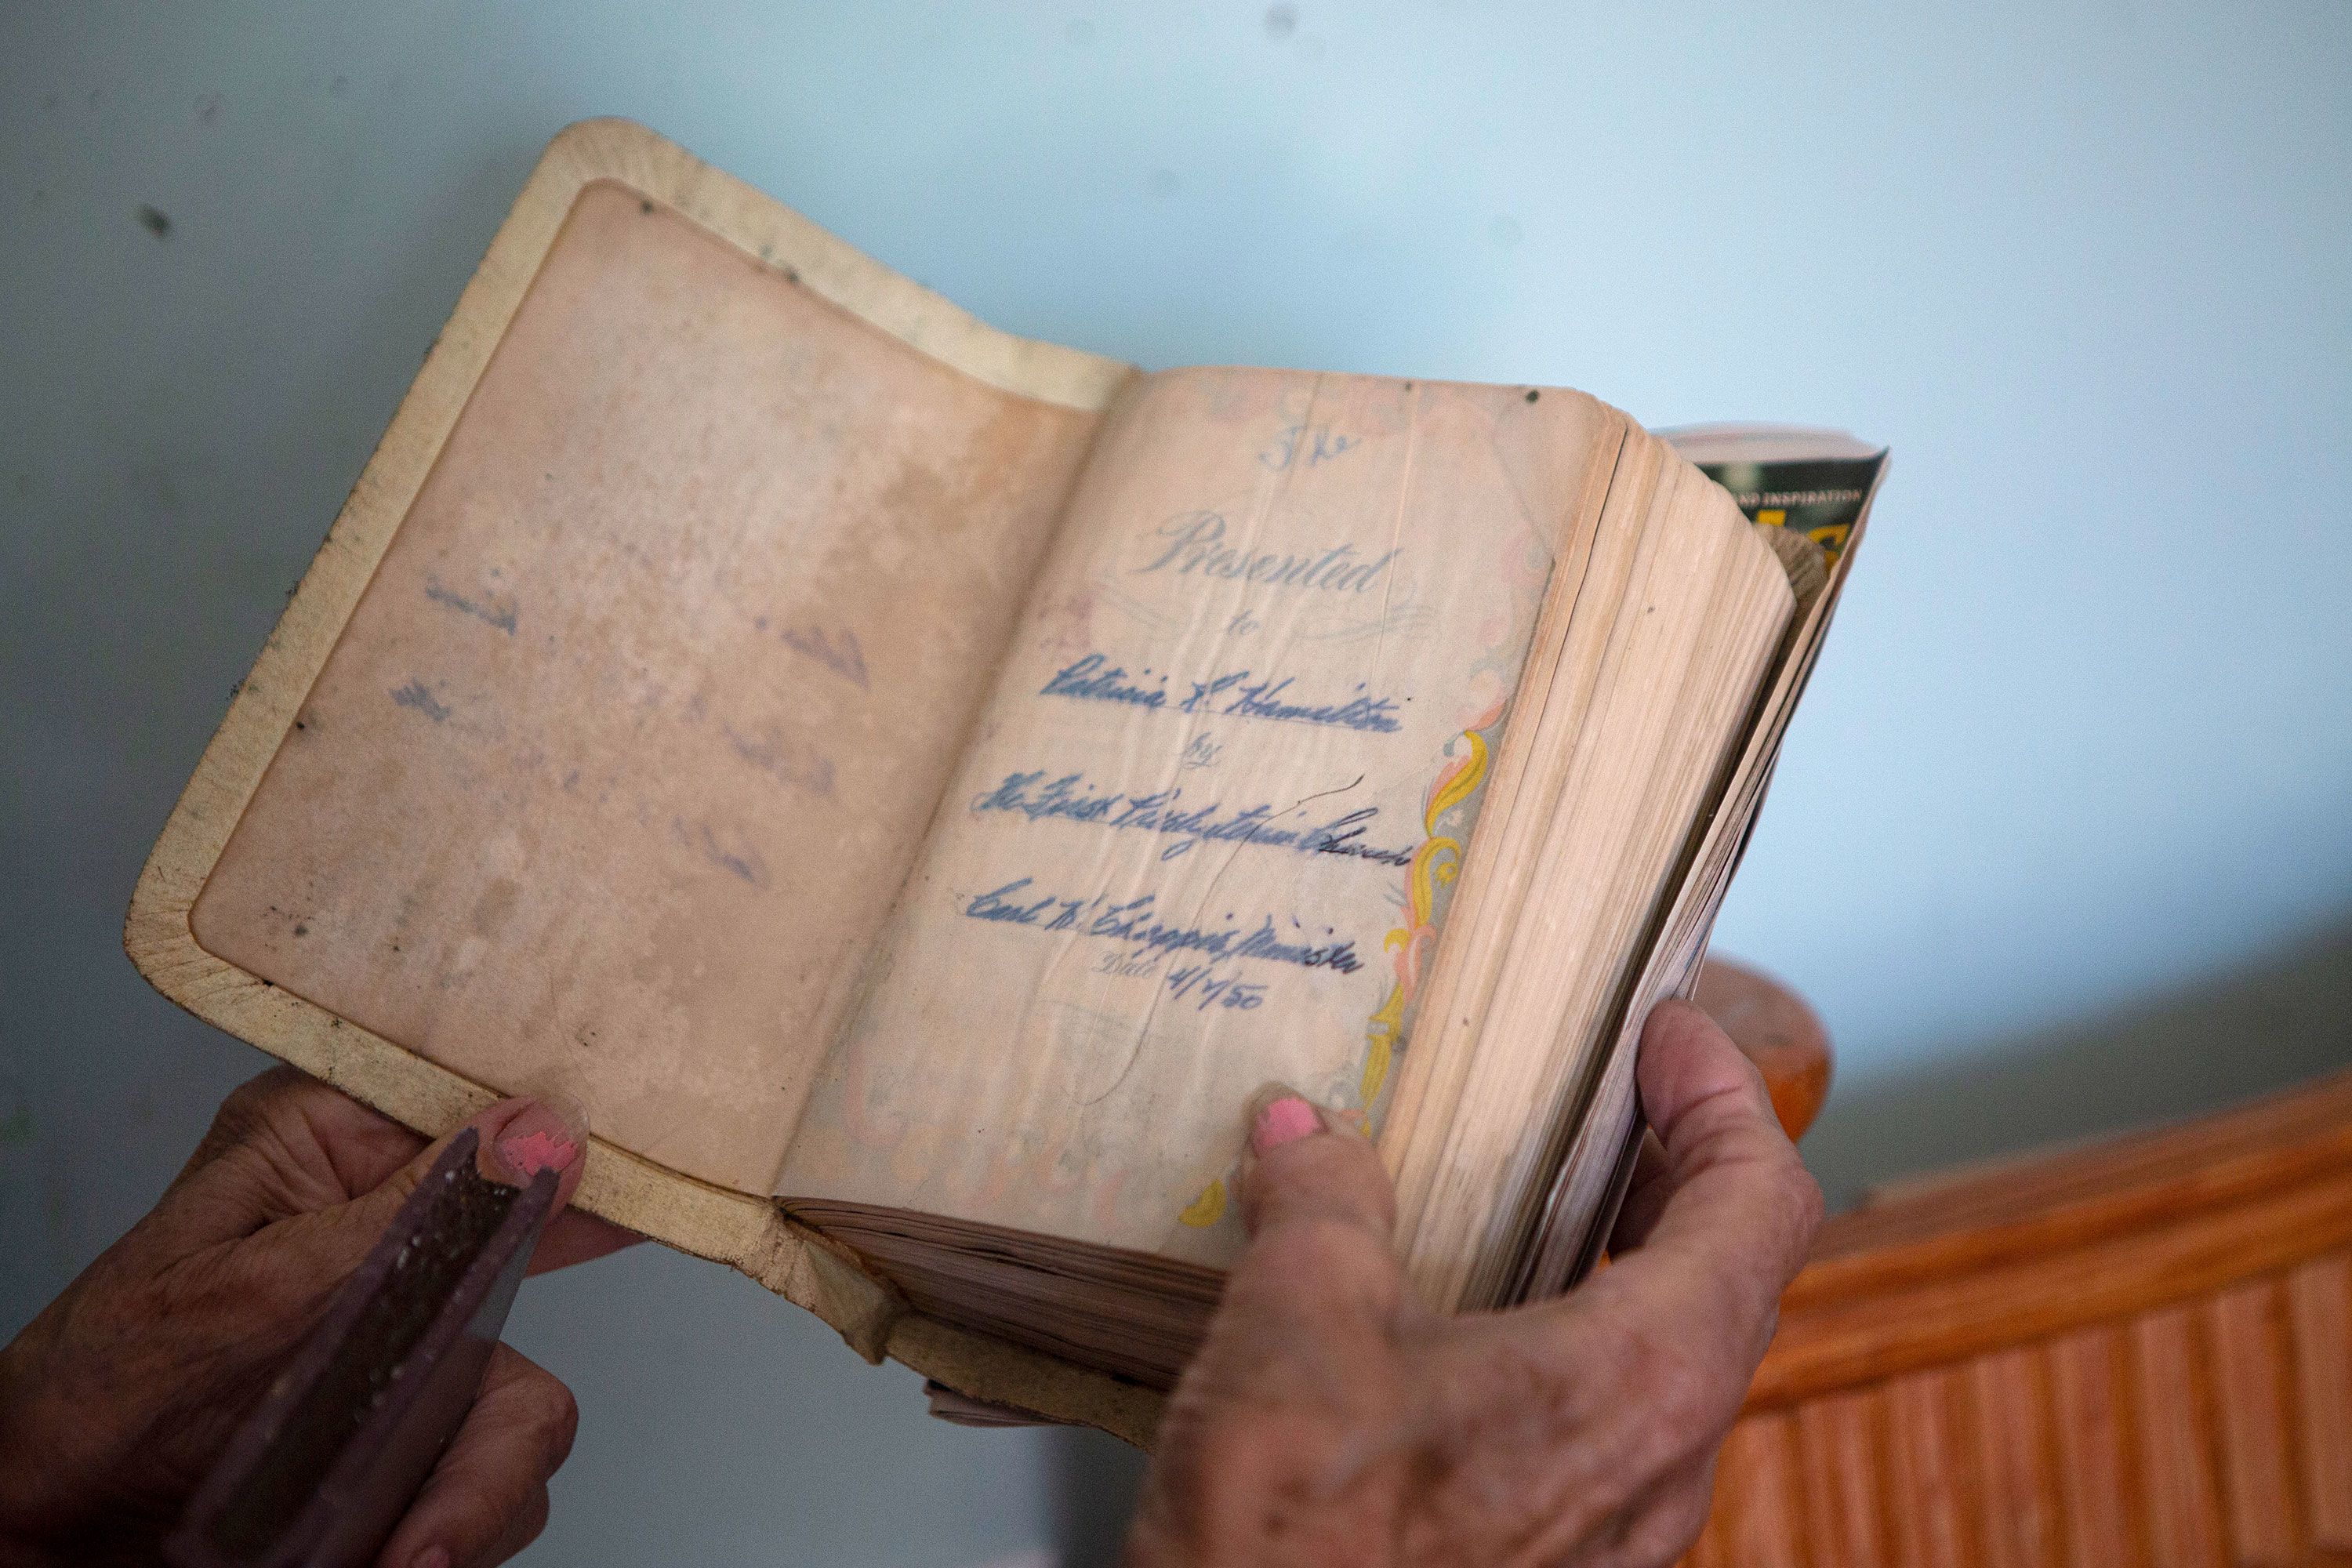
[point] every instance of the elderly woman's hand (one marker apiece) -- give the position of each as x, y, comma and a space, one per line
115, 1401
1334, 1418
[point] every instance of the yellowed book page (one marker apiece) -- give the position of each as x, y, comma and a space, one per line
614, 774
1202, 837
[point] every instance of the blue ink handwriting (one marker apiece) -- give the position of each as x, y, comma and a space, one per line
489, 611
783, 757
737, 857
1134, 924
415, 695
843, 658
1072, 799
1306, 445
1094, 678
1214, 988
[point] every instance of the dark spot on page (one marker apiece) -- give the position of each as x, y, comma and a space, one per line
155, 221
645, 205
1533, 394
415, 695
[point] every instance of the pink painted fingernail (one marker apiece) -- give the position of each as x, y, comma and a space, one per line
539, 1139
1285, 1121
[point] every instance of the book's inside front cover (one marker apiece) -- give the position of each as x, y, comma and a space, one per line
611, 778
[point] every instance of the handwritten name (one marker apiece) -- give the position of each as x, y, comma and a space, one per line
1095, 678
1193, 543
1136, 924
1071, 799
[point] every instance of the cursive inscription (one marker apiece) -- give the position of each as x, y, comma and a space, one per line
1135, 923
1071, 799
1192, 543
783, 757
1306, 445
1233, 695
1095, 678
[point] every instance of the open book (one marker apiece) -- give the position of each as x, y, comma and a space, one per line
915, 785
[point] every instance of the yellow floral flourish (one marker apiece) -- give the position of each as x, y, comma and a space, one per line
1435, 865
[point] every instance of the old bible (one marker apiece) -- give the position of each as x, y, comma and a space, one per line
914, 785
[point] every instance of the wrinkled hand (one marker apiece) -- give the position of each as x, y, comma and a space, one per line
116, 1400
1332, 1417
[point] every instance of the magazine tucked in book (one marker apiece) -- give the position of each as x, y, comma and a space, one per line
914, 785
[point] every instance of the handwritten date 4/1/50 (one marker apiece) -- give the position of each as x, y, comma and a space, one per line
1215, 990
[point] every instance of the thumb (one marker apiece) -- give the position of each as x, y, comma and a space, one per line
1319, 1283
519, 1138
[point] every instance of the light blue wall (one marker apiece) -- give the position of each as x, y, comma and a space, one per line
2084, 727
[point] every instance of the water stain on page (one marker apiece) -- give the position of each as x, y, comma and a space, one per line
496, 907
922, 493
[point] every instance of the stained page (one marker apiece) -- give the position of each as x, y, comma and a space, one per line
1203, 838
612, 777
